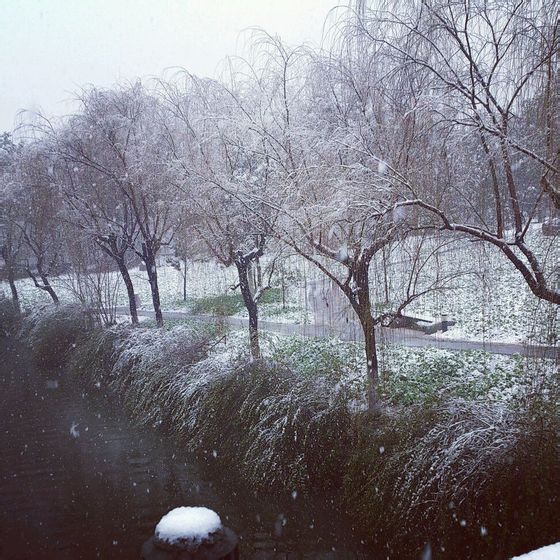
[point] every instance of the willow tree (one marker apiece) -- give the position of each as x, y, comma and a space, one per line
209, 145
330, 198
37, 211
487, 75
10, 233
117, 134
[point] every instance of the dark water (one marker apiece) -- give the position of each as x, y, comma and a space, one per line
79, 481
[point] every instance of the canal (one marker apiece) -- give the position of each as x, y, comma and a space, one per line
79, 481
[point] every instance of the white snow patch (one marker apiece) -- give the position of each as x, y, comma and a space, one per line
194, 524
551, 552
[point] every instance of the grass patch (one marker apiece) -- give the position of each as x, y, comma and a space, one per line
230, 304
414, 375
225, 305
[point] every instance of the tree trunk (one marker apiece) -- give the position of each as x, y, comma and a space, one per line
123, 269
13, 288
368, 328
259, 272
360, 299
385, 279
185, 279
283, 291
117, 251
9, 259
49, 289
150, 262
495, 187
46, 286
250, 304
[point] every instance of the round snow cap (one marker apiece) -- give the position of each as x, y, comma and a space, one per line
188, 527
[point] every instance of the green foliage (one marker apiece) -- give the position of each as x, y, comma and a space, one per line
271, 295
418, 375
231, 304
317, 356
225, 305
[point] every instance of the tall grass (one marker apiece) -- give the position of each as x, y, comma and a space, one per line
478, 478
10, 316
52, 331
285, 432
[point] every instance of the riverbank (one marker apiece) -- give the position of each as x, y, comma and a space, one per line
442, 472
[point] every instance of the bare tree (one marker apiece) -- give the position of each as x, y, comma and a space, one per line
95, 207
207, 143
91, 278
228, 230
119, 136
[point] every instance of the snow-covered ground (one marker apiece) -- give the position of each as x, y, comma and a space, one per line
490, 300
551, 552
487, 297
407, 375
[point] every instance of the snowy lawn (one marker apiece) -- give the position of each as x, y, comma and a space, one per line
407, 375
489, 299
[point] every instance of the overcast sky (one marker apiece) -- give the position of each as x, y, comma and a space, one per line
49, 48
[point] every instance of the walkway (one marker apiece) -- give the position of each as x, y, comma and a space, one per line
406, 337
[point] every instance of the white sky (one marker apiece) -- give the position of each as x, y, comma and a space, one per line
49, 48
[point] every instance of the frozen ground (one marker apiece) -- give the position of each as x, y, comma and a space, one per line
407, 375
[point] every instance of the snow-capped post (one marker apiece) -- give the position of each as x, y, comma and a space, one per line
191, 533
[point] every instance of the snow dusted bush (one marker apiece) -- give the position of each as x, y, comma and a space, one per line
482, 476
285, 431
52, 331
93, 359
148, 361
9, 316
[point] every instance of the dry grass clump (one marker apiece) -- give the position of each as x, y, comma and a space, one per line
482, 477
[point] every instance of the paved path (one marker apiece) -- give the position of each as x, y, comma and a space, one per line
406, 337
